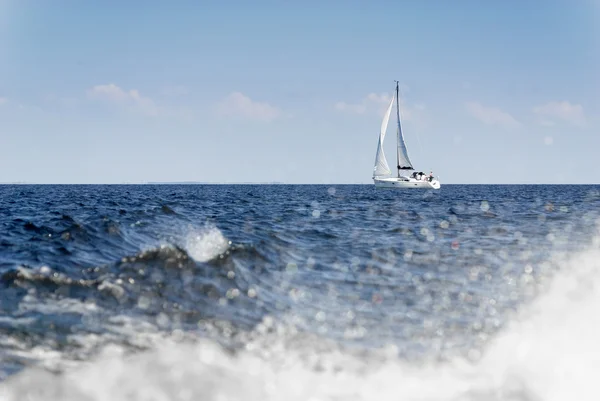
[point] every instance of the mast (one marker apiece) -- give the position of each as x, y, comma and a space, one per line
404, 162
398, 119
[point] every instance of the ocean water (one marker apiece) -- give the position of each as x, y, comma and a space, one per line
303, 292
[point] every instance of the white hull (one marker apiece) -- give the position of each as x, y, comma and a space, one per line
402, 184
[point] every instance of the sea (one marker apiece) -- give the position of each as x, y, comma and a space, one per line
299, 292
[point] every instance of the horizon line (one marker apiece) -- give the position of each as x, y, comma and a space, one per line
258, 183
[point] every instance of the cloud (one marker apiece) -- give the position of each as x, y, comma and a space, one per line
130, 100
491, 115
239, 105
3, 100
550, 112
375, 103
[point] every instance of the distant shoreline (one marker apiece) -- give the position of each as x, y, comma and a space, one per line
256, 183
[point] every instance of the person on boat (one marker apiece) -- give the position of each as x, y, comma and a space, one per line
431, 176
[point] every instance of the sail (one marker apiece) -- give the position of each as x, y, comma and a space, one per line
403, 160
381, 164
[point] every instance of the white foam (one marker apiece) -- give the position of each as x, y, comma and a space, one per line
206, 244
550, 352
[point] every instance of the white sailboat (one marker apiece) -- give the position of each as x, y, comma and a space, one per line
407, 176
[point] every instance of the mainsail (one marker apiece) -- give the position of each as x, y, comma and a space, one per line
403, 160
381, 165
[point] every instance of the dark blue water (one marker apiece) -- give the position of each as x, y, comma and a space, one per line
426, 276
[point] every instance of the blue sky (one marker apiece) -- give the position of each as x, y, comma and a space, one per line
239, 91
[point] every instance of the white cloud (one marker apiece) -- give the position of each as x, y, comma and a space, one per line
3, 100
240, 105
378, 103
491, 115
373, 102
131, 99
550, 112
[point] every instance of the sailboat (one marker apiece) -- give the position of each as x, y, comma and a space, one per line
407, 176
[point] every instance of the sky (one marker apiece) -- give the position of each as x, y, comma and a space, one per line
294, 92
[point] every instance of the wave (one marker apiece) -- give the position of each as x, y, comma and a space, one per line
204, 245
548, 352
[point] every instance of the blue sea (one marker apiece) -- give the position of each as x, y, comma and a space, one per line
299, 292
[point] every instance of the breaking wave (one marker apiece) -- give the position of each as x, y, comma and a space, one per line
548, 352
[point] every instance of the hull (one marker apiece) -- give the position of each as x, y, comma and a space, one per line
397, 183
